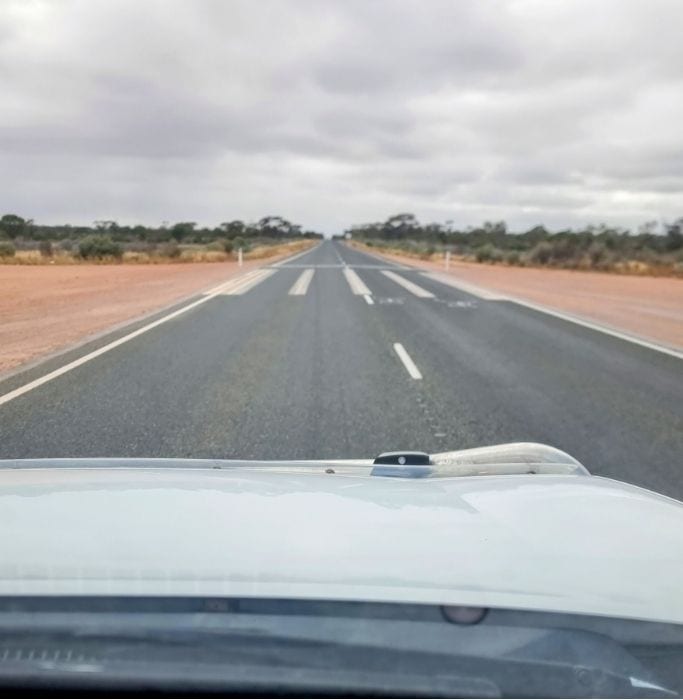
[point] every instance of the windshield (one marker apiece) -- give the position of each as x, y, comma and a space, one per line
368, 304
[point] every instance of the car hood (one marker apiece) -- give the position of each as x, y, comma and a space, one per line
566, 543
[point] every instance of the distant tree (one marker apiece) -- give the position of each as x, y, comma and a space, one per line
106, 225
233, 229
183, 230
275, 227
400, 226
674, 235
15, 226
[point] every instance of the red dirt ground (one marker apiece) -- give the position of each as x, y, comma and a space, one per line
44, 309
649, 307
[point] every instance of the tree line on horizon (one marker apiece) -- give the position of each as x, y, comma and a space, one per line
109, 239
14, 227
599, 247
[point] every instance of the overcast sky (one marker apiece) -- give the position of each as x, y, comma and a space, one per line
333, 113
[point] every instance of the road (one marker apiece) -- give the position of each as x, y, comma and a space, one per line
317, 372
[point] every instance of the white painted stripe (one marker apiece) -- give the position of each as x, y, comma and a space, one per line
15, 393
593, 325
407, 361
225, 286
368, 299
248, 284
465, 286
355, 282
339, 257
300, 287
407, 284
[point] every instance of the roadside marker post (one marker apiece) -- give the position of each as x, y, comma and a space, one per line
239, 257
448, 259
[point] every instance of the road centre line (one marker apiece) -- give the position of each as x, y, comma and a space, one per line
211, 294
339, 257
407, 361
355, 282
300, 287
594, 326
407, 284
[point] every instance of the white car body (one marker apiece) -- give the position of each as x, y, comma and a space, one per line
563, 541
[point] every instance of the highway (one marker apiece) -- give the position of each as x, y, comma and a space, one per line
338, 354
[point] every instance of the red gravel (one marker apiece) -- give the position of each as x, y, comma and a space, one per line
47, 308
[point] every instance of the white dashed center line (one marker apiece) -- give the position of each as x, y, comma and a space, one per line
407, 361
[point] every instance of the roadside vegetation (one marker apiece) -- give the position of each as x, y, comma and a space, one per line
651, 250
22, 242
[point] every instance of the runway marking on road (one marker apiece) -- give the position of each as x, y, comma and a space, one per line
355, 282
368, 299
407, 361
211, 294
465, 286
248, 284
594, 326
300, 287
407, 284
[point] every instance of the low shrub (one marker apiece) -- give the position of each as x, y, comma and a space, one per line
7, 249
513, 257
239, 242
169, 250
45, 248
487, 253
99, 247
541, 254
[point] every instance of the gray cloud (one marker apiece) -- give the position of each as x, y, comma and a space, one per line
337, 112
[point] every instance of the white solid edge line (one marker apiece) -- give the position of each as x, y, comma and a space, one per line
446, 278
300, 287
19, 391
368, 299
408, 363
597, 327
594, 326
355, 282
408, 285
385, 261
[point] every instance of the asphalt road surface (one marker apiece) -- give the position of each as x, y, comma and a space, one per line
336, 354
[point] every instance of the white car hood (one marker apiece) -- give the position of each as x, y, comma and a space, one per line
577, 544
